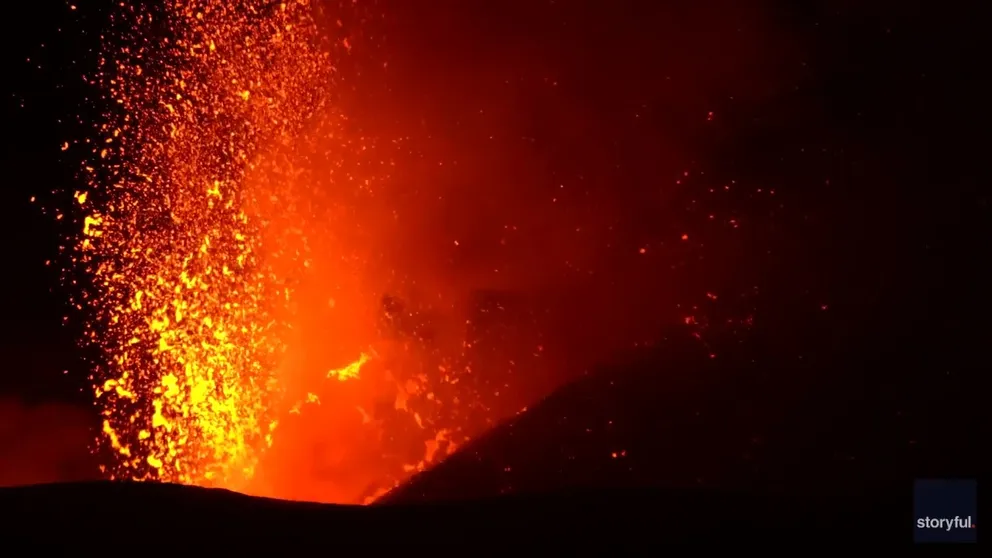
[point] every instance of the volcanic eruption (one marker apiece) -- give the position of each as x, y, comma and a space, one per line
263, 317
290, 296
213, 256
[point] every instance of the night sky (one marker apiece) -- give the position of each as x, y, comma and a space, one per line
866, 268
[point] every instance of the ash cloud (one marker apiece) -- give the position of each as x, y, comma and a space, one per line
544, 143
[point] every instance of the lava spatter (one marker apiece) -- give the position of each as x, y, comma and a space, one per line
184, 300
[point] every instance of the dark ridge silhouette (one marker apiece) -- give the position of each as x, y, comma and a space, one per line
747, 420
707, 452
65, 514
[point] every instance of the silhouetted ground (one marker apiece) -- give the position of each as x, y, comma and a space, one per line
774, 453
774, 423
103, 514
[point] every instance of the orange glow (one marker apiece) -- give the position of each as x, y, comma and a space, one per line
300, 290
238, 316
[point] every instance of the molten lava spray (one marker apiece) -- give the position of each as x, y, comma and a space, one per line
207, 252
310, 278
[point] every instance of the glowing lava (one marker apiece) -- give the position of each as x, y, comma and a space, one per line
189, 289
237, 269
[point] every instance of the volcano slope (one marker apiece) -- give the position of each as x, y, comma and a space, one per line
667, 444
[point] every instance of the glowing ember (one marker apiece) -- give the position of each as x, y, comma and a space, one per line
350, 371
188, 285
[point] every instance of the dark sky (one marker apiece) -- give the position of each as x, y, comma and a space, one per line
868, 118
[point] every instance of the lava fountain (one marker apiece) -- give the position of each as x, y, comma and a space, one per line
308, 283
244, 338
